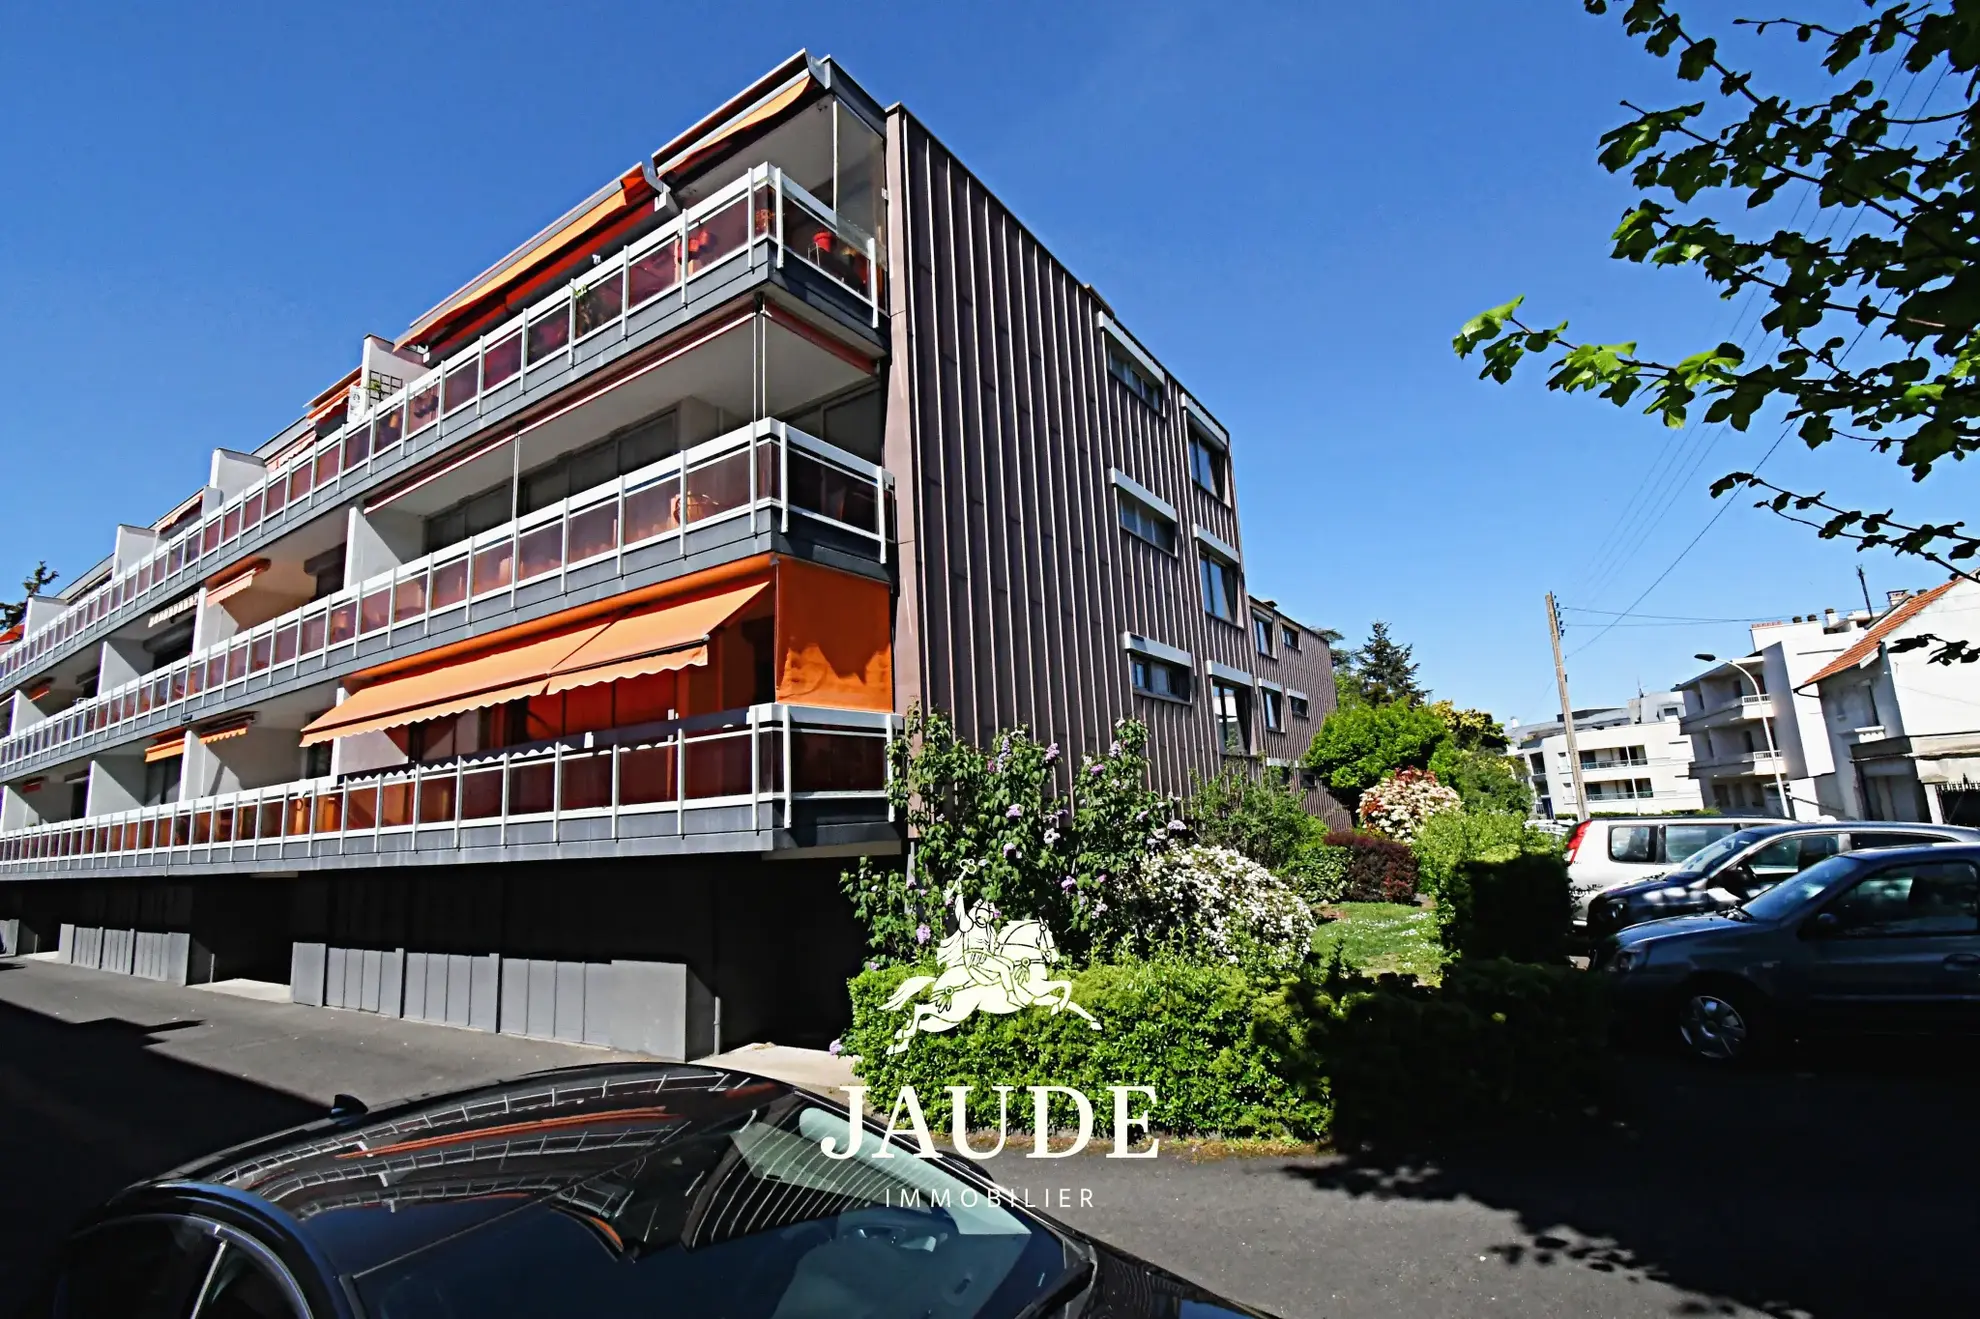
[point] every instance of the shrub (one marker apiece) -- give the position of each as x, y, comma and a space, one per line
1358, 745
1486, 780
1518, 908
1497, 1044
1211, 901
1374, 869
1263, 816
997, 826
1319, 872
1194, 1031
1398, 805
1448, 840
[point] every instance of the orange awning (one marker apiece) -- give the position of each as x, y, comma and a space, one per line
651, 638
222, 732
772, 105
165, 750
651, 641
487, 680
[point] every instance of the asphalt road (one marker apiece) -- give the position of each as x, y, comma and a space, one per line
1825, 1193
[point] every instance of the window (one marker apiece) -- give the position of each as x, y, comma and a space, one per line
1154, 677
1290, 635
1137, 519
1630, 843
161, 780
1220, 588
316, 761
1681, 840
1269, 702
1131, 373
1917, 898
1261, 633
1857, 842
1232, 707
1791, 856
148, 1268
1206, 460
1300, 709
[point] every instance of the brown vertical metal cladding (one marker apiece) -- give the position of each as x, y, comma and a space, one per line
1024, 580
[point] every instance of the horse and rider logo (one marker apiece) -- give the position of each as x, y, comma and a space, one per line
986, 967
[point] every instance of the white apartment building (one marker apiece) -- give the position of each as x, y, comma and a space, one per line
1902, 732
1634, 758
1756, 732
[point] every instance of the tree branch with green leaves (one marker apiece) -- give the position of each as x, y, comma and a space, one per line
1900, 281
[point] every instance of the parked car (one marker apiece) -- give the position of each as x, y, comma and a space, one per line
1745, 864
1603, 852
611, 1189
1884, 941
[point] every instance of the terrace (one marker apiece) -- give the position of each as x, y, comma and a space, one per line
760, 225
752, 480
765, 777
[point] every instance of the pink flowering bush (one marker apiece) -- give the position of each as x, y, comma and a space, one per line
1398, 805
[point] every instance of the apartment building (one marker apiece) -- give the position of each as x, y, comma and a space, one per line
539, 677
1633, 758
1902, 731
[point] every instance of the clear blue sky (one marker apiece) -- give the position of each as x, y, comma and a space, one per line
1295, 206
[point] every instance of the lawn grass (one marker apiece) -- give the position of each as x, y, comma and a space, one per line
1383, 936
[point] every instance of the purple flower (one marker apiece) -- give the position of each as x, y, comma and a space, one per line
1096, 768
1177, 826
833, 1048
921, 933
1051, 753
1115, 749
1099, 907
1014, 813
1066, 883
1010, 850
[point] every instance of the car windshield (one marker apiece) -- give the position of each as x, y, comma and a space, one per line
1707, 859
745, 1217
1790, 895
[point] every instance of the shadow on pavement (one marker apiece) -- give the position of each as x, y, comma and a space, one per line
87, 1108
1826, 1188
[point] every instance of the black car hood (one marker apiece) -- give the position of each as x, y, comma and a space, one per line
1680, 927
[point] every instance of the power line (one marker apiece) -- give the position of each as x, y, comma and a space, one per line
1785, 429
1697, 444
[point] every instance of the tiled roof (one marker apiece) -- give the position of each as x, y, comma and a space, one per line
1877, 631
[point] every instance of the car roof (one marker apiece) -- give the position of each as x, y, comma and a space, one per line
370, 1190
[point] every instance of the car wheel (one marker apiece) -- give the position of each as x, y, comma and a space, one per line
1720, 1024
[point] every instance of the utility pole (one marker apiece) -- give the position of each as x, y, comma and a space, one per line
1567, 710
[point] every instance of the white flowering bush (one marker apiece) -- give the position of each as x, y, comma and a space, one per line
1398, 805
1214, 902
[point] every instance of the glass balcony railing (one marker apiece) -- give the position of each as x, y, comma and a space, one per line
764, 468
761, 217
763, 757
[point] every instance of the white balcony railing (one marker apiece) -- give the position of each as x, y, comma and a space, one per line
765, 759
766, 468
761, 217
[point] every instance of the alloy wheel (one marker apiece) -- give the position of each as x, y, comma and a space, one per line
1713, 1027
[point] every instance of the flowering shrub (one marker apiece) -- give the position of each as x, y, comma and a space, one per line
998, 825
1212, 900
1398, 805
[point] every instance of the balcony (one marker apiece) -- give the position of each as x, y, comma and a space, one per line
760, 221
1732, 712
753, 479
807, 774
1762, 763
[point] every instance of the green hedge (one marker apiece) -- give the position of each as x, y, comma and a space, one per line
1189, 1030
1497, 1044
1519, 908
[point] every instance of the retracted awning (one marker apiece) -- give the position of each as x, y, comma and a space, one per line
646, 639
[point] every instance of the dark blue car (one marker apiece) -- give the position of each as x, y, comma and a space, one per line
619, 1189
1884, 941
